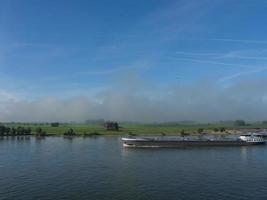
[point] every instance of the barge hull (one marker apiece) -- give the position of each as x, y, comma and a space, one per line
175, 144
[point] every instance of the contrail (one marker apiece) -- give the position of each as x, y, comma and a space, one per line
227, 40
208, 62
233, 76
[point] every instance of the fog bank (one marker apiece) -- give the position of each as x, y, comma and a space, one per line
202, 101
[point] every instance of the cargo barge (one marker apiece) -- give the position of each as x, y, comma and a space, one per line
243, 140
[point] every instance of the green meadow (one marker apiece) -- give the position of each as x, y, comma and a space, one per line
142, 129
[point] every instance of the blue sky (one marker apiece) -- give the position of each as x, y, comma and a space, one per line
66, 49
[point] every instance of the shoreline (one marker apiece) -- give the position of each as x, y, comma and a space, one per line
232, 132
87, 130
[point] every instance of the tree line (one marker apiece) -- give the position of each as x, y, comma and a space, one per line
20, 131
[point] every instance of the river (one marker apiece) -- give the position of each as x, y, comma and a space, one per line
101, 169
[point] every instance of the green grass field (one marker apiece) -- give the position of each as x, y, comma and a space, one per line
137, 129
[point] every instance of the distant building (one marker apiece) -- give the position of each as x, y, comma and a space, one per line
112, 126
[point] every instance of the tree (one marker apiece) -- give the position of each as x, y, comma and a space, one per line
20, 130
240, 123
222, 129
7, 130
182, 133
2, 130
13, 131
55, 124
200, 130
215, 129
40, 132
70, 132
28, 131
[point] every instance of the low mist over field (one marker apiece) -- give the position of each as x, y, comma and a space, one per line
201, 101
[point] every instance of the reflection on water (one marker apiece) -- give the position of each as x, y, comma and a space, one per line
100, 168
15, 138
244, 154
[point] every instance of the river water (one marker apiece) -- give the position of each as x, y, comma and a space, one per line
100, 168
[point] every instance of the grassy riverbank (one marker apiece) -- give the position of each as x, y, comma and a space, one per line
142, 129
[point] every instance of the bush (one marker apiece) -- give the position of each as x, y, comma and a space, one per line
70, 132
200, 130
132, 134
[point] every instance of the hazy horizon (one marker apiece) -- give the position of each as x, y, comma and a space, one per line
143, 61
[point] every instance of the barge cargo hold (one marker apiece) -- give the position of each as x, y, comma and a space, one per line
243, 140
